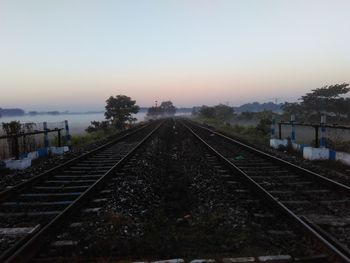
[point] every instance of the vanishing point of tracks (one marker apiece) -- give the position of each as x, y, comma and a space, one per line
318, 205
33, 211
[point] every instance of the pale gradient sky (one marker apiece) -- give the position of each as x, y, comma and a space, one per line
73, 54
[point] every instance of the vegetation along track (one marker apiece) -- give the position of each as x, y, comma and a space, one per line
317, 204
34, 210
175, 198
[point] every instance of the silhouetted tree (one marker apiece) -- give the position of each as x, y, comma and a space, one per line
223, 112
320, 101
97, 126
325, 99
168, 109
154, 112
207, 112
165, 109
13, 127
119, 109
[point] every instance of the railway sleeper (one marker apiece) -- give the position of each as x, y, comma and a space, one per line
336, 202
69, 182
49, 196
60, 188
258, 167
67, 177
298, 184
271, 173
83, 172
29, 214
106, 158
267, 176
56, 205
90, 168
328, 220
18, 231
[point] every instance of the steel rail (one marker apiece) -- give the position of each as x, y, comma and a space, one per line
327, 246
28, 250
322, 179
4, 195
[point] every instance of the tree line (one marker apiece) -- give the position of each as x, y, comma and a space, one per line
327, 100
120, 110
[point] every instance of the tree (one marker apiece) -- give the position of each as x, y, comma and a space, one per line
165, 109
13, 127
264, 126
223, 112
325, 99
154, 112
207, 112
195, 111
292, 108
97, 126
168, 109
119, 109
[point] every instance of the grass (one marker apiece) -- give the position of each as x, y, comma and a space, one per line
247, 133
88, 138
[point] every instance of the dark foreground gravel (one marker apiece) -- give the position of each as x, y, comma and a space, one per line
173, 199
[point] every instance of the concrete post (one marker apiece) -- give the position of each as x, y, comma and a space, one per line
273, 127
68, 137
16, 147
46, 135
292, 135
280, 130
323, 132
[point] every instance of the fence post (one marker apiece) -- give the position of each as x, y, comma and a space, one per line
46, 135
68, 137
273, 125
59, 137
16, 148
292, 135
323, 131
316, 135
280, 130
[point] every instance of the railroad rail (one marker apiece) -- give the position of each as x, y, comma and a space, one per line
33, 211
215, 192
316, 204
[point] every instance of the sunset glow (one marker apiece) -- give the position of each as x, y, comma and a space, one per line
72, 55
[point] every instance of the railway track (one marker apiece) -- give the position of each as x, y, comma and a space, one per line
56, 207
317, 205
33, 211
173, 176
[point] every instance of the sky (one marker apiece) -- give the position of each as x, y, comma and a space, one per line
73, 55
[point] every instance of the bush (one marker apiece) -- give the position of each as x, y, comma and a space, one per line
97, 126
81, 140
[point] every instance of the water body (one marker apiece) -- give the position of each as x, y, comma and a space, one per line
77, 122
